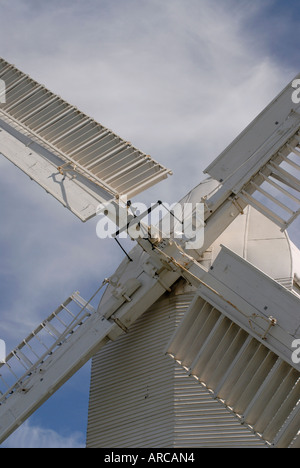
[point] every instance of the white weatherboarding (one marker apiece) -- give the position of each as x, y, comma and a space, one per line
236, 337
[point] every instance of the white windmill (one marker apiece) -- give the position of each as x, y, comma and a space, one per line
227, 312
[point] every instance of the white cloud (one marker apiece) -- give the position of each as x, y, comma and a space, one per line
29, 436
179, 79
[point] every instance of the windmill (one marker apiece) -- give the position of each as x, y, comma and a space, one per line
239, 331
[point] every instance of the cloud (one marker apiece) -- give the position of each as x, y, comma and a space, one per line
29, 436
46, 255
179, 79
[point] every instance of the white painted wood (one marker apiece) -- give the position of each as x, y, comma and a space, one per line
252, 300
269, 130
236, 338
140, 398
90, 149
74, 191
74, 346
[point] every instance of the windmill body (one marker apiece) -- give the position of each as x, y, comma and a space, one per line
138, 397
241, 301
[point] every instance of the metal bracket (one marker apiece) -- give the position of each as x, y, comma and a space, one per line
120, 324
271, 321
150, 270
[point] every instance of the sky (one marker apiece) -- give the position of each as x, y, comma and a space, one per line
180, 79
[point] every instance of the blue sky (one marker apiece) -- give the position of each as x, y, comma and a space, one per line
179, 79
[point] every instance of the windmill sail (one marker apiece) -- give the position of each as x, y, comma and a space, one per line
77, 160
237, 339
261, 166
68, 338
